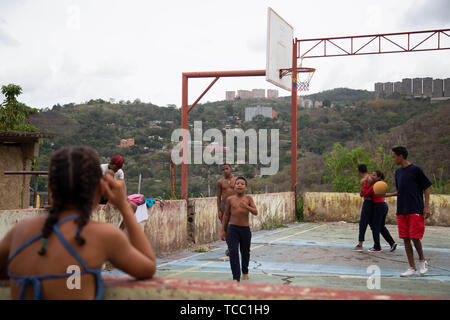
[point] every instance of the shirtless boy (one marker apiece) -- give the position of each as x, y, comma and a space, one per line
237, 231
225, 188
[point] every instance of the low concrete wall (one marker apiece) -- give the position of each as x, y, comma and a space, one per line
334, 206
166, 227
273, 208
203, 223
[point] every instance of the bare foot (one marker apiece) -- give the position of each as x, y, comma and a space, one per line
245, 277
235, 281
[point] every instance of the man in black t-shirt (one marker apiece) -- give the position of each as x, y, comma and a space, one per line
412, 185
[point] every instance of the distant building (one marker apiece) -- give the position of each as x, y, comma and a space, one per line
427, 87
230, 95
378, 90
438, 88
398, 87
259, 93
272, 93
244, 94
417, 87
125, 143
318, 104
407, 86
306, 103
447, 87
251, 112
388, 89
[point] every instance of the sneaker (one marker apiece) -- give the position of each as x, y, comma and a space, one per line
374, 250
358, 248
408, 273
394, 246
423, 267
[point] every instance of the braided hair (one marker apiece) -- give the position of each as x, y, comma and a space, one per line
74, 174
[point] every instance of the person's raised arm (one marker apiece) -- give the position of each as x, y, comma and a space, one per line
251, 207
5, 244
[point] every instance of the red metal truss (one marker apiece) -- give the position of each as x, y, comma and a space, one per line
354, 45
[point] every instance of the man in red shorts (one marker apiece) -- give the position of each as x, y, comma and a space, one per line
412, 185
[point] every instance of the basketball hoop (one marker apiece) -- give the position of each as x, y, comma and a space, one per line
303, 78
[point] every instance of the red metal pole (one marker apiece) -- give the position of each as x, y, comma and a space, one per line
294, 118
234, 73
184, 125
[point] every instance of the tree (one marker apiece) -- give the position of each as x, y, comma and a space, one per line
14, 114
326, 103
229, 109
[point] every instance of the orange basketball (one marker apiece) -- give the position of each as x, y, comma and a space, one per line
380, 188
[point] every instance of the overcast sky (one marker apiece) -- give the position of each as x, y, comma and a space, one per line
63, 51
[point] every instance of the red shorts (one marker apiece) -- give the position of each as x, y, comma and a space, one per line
411, 226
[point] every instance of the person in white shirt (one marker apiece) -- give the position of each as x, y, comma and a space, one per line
114, 167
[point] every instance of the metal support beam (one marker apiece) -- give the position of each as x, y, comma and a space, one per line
349, 47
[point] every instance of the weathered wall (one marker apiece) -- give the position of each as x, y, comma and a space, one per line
9, 218
273, 208
334, 206
14, 189
203, 223
165, 228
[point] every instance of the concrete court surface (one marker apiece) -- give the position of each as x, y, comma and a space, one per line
320, 255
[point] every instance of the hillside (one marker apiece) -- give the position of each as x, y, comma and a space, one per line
340, 96
367, 123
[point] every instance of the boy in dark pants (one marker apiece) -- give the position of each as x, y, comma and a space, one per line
380, 208
366, 210
236, 230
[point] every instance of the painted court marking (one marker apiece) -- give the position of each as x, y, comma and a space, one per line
253, 248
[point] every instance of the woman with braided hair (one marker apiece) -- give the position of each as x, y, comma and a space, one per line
39, 253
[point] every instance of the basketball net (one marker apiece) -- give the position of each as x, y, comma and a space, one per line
303, 77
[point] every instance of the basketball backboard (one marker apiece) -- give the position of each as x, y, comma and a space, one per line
279, 50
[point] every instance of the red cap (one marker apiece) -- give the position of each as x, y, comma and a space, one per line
118, 161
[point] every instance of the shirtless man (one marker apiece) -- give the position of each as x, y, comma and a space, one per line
225, 188
237, 231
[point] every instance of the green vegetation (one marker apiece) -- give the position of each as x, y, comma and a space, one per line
299, 213
273, 224
14, 114
342, 166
